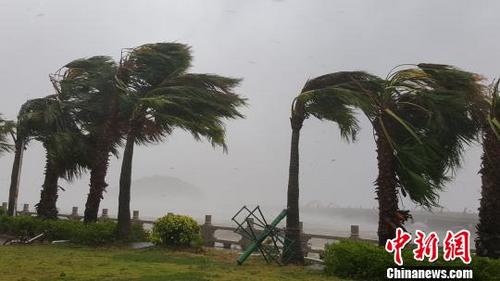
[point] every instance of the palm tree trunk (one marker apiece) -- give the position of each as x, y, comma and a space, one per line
46, 208
15, 177
488, 229
110, 132
386, 186
97, 185
124, 223
293, 247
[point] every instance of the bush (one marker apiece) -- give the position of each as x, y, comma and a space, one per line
366, 261
61, 229
138, 233
176, 231
20, 225
100, 233
96, 233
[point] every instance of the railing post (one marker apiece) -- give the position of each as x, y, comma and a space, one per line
304, 238
136, 219
207, 232
244, 241
5, 206
26, 209
74, 213
104, 214
354, 232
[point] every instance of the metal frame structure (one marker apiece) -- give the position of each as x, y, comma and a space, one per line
267, 238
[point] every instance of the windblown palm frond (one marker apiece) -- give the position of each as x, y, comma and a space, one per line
493, 111
158, 95
161, 95
149, 65
440, 104
88, 88
7, 129
88, 85
335, 97
425, 112
49, 121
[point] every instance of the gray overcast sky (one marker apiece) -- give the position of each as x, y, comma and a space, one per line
275, 46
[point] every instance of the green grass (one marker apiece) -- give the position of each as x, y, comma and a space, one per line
49, 262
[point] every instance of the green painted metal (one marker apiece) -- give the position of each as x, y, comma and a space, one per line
261, 238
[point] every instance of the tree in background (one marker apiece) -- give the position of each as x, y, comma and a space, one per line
488, 229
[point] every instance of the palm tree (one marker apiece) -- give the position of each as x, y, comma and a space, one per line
20, 140
159, 96
488, 229
317, 99
8, 128
47, 120
420, 122
89, 85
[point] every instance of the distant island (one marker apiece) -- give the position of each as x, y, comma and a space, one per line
163, 187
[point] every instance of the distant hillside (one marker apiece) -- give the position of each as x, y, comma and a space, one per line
158, 186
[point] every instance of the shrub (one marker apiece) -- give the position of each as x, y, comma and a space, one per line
22, 225
100, 233
176, 231
366, 261
61, 229
197, 243
138, 233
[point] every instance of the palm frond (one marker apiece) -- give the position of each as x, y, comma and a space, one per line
49, 121
426, 112
7, 129
147, 66
161, 95
335, 97
493, 113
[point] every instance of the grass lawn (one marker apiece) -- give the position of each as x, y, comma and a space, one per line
64, 262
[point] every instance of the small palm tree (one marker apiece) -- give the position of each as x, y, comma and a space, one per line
47, 120
160, 95
20, 140
8, 128
488, 229
421, 121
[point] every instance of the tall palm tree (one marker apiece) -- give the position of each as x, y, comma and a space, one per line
317, 99
488, 229
89, 85
160, 96
420, 122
